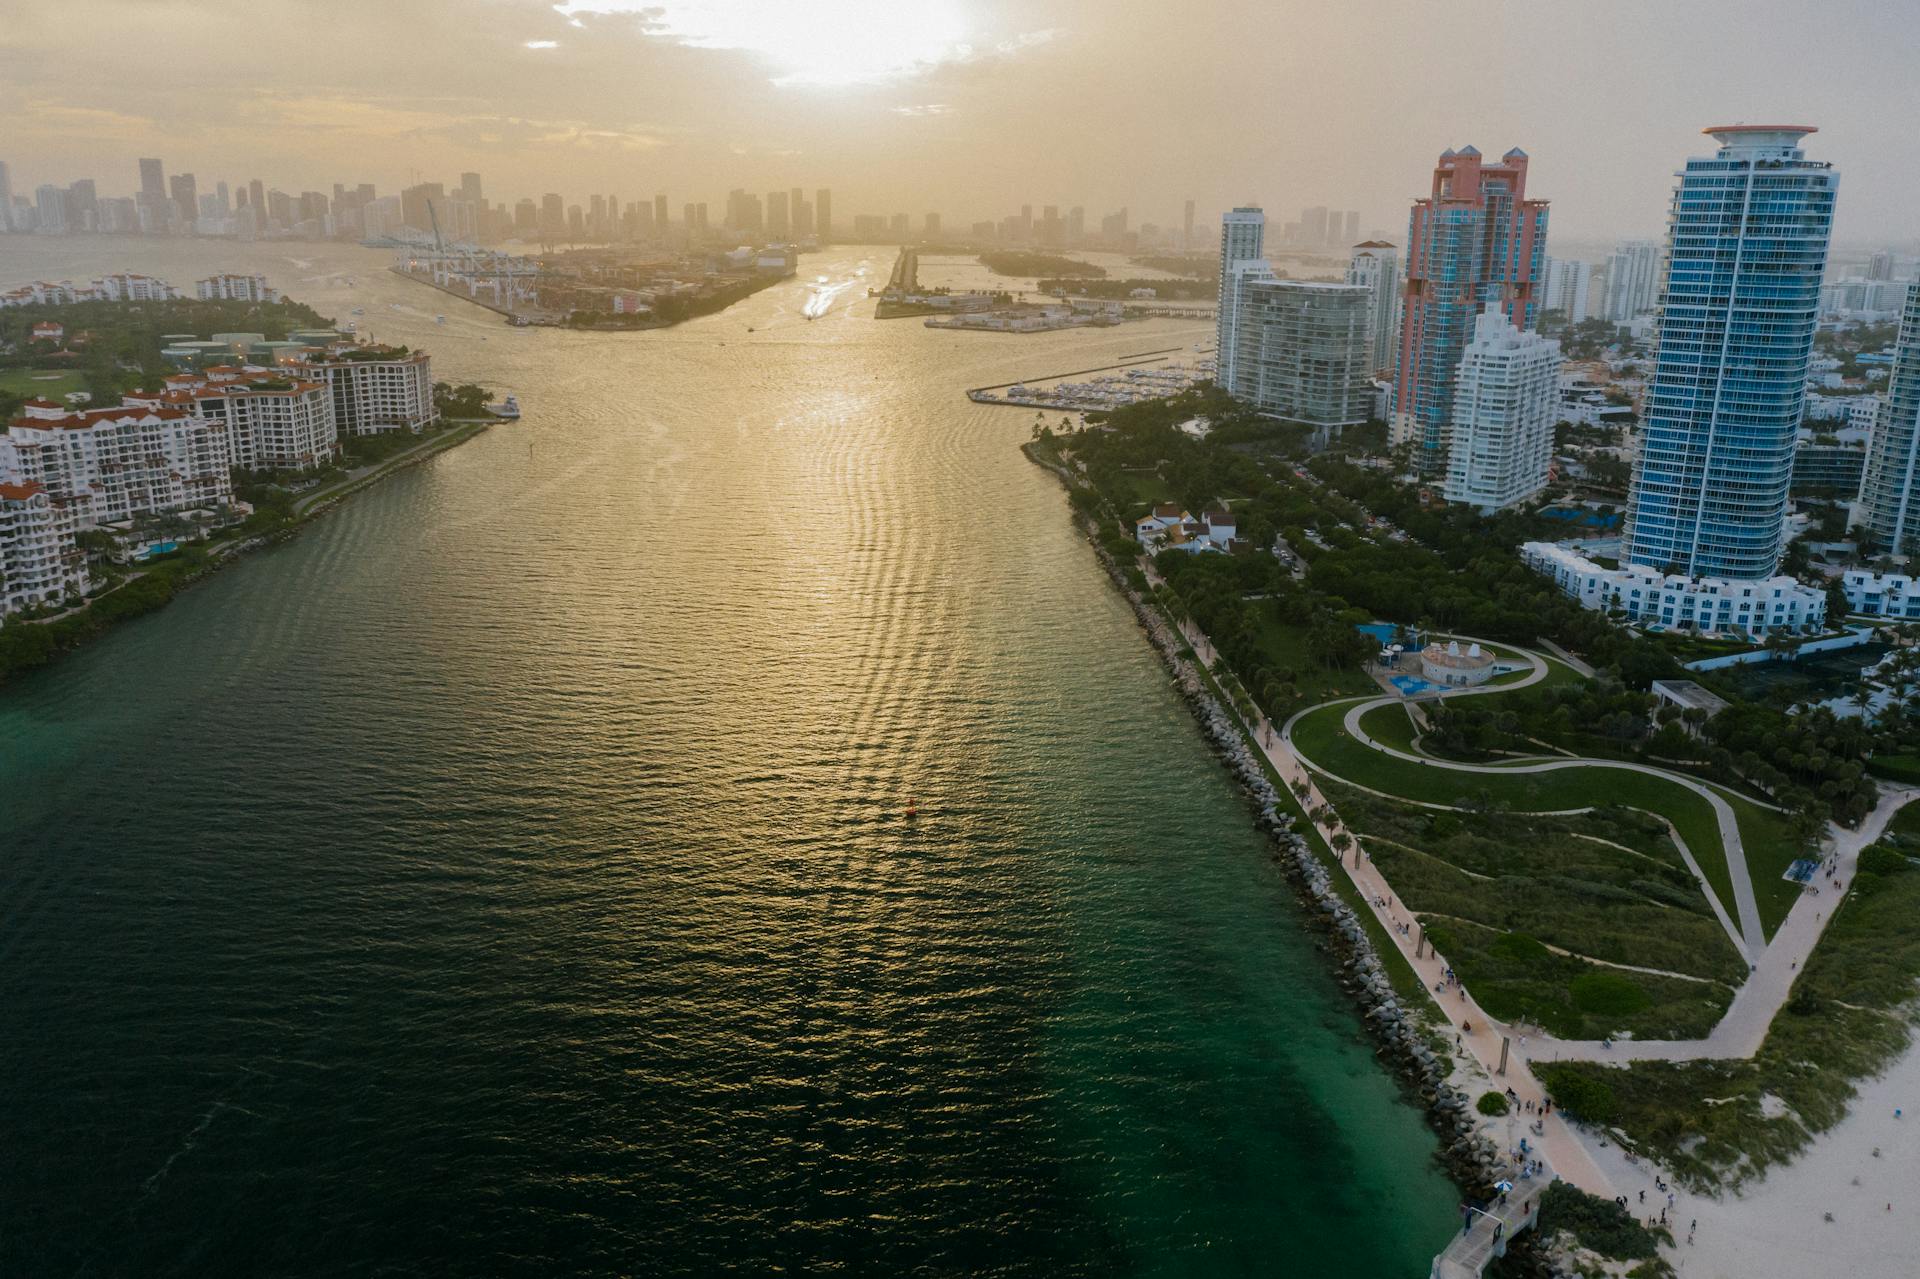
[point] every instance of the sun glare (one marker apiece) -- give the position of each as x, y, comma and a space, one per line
827, 44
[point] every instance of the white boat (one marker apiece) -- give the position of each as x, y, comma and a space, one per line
359, 310
508, 408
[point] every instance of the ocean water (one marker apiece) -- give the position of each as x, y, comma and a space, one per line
511, 875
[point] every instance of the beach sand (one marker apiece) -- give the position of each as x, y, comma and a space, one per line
1777, 1229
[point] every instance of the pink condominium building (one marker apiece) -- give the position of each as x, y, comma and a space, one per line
1476, 239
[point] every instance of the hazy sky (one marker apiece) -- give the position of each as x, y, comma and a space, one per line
969, 107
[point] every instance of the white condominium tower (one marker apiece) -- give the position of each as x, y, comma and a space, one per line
1633, 280
1506, 398
1746, 246
1242, 236
1887, 514
1376, 264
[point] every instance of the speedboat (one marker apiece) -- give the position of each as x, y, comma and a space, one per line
508, 408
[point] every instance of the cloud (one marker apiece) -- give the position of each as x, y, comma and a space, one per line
542, 44
923, 108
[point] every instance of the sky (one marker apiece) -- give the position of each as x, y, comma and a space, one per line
966, 107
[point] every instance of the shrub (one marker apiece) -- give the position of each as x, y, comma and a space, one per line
1491, 1103
1598, 1224
1583, 1098
1606, 994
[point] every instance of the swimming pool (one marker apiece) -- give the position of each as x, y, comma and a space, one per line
1414, 686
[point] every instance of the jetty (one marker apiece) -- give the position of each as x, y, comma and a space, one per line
1492, 1229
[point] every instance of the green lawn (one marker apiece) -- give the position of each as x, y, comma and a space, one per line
1391, 725
1322, 738
1906, 822
1286, 649
48, 383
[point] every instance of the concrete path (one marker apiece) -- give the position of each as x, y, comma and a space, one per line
1753, 935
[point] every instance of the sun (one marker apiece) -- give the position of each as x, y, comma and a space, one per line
820, 43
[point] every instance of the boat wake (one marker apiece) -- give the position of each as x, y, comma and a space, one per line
822, 296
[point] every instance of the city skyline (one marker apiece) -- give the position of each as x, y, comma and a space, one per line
592, 95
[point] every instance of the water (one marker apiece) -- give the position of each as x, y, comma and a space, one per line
509, 876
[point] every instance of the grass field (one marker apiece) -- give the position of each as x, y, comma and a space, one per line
1321, 737
48, 383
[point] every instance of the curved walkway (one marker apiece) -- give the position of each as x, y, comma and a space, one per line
1753, 936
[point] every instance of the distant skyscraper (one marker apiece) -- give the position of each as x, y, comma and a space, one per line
186, 195
83, 202
51, 203
1376, 264
1567, 286
660, 213
933, 224
1506, 400
1353, 227
1242, 239
258, 198
1186, 230
1633, 280
1746, 246
778, 223
6, 197
1313, 227
823, 214
1474, 239
1888, 514
1880, 265
470, 188
153, 183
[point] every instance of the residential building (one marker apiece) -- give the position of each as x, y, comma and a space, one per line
39, 562
111, 464
1753, 606
375, 388
271, 422
1172, 528
1300, 348
1829, 465
1568, 282
1376, 265
1895, 595
1888, 515
1746, 245
1633, 280
1505, 403
1242, 233
237, 288
1474, 239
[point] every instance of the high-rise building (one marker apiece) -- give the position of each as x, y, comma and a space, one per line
1186, 229
1376, 264
823, 214
1880, 265
50, 203
1313, 227
1242, 239
1633, 280
83, 202
258, 198
553, 215
186, 197
1567, 286
1746, 245
933, 224
779, 222
153, 183
1888, 516
470, 188
1300, 348
6, 197
1475, 238
1352, 231
1506, 399
414, 202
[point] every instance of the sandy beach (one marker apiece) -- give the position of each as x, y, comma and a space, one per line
1777, 1228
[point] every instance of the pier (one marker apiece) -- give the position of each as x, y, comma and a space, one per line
1493, 1228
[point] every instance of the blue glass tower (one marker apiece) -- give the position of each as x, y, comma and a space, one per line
1747, 242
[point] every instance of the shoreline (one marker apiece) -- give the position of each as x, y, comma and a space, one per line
219, 557
1467, 1157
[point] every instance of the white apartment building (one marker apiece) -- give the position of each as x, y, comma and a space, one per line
1895, 595
272, 422
127, 286
1242, 236
1506, 400
236, 288
1568, 285
1755, 606
117, 463
39, 562
1301, 348
1633, 280
1376, 265
375, 389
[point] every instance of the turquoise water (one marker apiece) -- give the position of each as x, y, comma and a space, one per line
509, 875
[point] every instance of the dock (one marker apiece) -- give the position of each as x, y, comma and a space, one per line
1493, 1228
